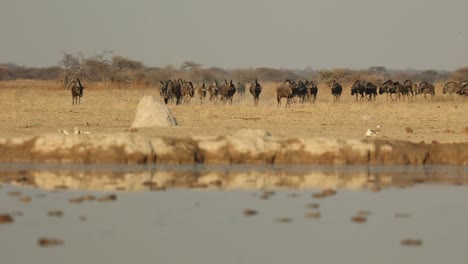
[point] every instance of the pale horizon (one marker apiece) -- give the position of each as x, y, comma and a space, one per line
298, 34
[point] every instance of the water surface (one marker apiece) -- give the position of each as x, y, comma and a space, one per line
197, 214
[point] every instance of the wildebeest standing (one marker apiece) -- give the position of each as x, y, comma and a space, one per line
391, 88
371, 91
201, 90
451, 87
164, 92
76, 91
213, 90
222, 90
426, 88
336, 90
255, 90
177, 90
285, 90
187, 91
408, 89
312, 91
241, 90
227, 92
464, 89
358, 88
300, 91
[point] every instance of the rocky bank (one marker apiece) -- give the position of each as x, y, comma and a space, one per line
241, 147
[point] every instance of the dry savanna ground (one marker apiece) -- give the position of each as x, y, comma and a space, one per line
37, 107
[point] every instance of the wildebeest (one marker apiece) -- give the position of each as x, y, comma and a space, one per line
312, 91
227, 91
187, 91
285, 90
300, 91
255, 90
336, 90
201, 90
241, 90
171, 90
76, 91
358, 88
222, 89
371, 91
408, 89
451, 87
164, 92
213, 90
426, 88
464, 89
391, 88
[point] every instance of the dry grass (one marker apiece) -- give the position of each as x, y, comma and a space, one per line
35, 107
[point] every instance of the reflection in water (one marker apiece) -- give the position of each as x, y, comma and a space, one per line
141, 178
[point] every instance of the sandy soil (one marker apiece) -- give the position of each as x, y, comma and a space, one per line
36, 107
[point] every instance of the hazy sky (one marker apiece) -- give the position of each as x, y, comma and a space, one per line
420, 34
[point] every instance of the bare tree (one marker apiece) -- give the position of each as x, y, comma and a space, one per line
73, 64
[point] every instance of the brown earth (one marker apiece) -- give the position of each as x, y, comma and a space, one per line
34, 108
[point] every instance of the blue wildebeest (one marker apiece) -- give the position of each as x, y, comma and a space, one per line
227, 91
358, 88
213, 90
76, 91
336, 90
188, 91
408, 89
426, 88
255, 90
452, 87
285, 90
391, 88
312, 91
201, 90
241, 90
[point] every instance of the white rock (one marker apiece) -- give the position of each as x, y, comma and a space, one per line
152, 113
371, 133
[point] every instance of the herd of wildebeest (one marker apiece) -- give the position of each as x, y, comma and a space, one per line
182, 91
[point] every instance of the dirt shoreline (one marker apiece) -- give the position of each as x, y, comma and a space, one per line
249, 147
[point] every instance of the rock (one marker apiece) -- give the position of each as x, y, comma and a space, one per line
152, 113
371, 133
241, 147
409, 130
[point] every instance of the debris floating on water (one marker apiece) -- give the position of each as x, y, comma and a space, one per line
412, 242
49, 242
6, 218
250, 212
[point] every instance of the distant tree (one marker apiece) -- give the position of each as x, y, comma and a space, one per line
429, 75
73, 64
460, 75
126, 71
325, 76
190, 66
378, 69
99, 67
